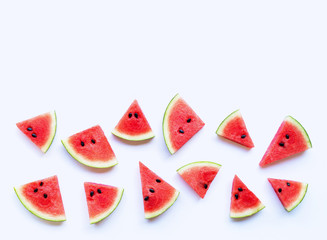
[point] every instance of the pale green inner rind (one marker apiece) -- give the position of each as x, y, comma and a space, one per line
300, 198
53, 130
139, 137
301, 128
247, 212
223, 124
164, 208
110, 210
29, 206
96, 164
197, 164
165, 123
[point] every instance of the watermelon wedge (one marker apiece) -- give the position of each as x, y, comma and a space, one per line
291, 138
158, 195
41, 129
243, 202
101, 200
233, 128
133, 126
290, 193
91, 148
199, 175
180, 124
43, 199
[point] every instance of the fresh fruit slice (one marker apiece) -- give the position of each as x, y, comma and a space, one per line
101, 200
41, 129
243, 202
199, 175
233, 128
290, 193
291, 138
91, 147
180, 124
133, 126
158, 195
43, 199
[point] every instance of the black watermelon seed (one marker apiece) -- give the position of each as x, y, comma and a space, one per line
45, 195
158, 180
287, 136
130, 115
35, 190
41, 184
205, 186
281, 144
91, 193
99, 190
33, 135
240, 189
93, 141
151, 190
146, 198
279, 190
236, 196
288, 184
181, 130
189, 120
136, 115
29, 129
82, 143
243, 136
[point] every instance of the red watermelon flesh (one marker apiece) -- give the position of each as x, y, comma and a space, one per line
91, 148
291, 138
101, 199
158, 195
199, 175
244, 203
290, 193
40, 129
133, 125
233, 128
180, 124
43, 198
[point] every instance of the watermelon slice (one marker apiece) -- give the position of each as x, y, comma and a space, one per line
199, 175
180, 124
291, 138
101, 200
43, 199
290, 193
91, 148
158, 195
41, 129
133, 126
243, 202
233, 128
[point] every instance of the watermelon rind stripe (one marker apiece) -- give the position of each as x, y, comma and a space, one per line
221, 127
32, 209
165, 123
247, 212
53, 130
109, 210
301, 128
303, 192
139, 137
96, 164
196, 164
164, 208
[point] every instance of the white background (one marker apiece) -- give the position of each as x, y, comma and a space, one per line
89, 60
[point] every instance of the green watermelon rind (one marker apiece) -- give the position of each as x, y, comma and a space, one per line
140, 137
95, 164
164, 208
46, 146
247, 212
110, 210
198, 163
223, 124
301, 128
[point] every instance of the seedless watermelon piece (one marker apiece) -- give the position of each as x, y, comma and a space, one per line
233, 128
43, 199
291, 138
133, 126
101, 200
289, 192
91, 148
180, 124
158, 195
199, 175
41, 129
244, 203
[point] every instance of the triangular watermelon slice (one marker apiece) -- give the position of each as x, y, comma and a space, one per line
244, 203
158, 195
133, 126
43, 199
91, 148
101, 200
40, 129
233, 128
290, 193
199, 175
291, 138
180, 124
